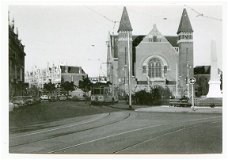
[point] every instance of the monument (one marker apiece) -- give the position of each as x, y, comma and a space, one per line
214, 83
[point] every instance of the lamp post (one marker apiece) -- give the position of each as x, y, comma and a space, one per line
129, 71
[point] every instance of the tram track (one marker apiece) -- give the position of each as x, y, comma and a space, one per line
163, 133
72, 132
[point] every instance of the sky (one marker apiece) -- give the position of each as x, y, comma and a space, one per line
77, 34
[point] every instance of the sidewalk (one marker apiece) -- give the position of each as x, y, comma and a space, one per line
180, 109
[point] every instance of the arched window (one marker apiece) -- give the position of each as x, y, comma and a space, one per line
155, 68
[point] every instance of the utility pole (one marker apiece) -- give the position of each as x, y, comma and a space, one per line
129, 71
187, 81
187, 78
176, 80
112, 70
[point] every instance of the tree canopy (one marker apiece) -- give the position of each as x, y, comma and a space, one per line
85, 84
50, 87
68, 86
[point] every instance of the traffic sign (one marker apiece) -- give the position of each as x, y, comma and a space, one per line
192, 80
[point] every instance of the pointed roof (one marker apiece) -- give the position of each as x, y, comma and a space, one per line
125, 24
185, 25
154, 32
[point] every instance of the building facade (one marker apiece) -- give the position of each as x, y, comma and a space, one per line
16, 63
155, 59
72, 74
55, 74
38, 77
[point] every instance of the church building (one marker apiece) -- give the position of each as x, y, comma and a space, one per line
155, 59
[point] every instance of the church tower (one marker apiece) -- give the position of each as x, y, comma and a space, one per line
124, 45
185, 44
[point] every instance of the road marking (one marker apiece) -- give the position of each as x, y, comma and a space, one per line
63, 127
154, 138
159, 136
113, 135
118, 134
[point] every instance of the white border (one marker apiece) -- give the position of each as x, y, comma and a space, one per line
4, 77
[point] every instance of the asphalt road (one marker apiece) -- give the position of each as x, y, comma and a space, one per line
124, 132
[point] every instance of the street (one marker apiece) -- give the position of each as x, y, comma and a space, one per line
124, 132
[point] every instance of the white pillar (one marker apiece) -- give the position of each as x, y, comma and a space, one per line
214, 83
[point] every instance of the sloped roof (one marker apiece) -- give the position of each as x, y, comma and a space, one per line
202, 70
155, 32
136, 39
185, 25
172, 40
125, 24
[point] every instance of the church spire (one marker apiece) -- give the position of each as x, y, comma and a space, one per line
185, 25
125, 24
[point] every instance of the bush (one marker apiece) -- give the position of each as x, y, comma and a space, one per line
155, 97
212, 105
142, 97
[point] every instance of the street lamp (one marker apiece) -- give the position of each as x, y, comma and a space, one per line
129, 71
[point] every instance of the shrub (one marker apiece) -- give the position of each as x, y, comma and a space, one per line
155, 97
212, 105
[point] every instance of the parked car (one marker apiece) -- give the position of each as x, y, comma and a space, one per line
18, 101
44, 98
62, 97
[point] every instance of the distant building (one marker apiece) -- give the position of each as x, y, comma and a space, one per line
202, 76
55, 74
16, 63
38, 77
72, 73
156, 59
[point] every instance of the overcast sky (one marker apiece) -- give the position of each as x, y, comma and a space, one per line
77, 35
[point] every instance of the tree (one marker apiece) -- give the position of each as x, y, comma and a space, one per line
85, 84
68, 86
33, 91
50, 87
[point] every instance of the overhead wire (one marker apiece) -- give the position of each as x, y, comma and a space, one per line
98, 13
105, 17
101, 72
202, 15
